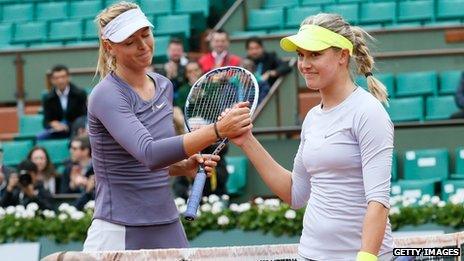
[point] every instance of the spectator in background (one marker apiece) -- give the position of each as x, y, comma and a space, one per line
62, 105
219, 55
24, 188
79, 168
192, 74
45, 169
459, 100
4, 174
174, 69
264, 87
268, 65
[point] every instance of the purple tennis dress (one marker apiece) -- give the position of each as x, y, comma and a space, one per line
133, 144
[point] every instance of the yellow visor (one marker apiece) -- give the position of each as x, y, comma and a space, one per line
315, 38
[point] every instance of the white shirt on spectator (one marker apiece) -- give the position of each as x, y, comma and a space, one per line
63, 95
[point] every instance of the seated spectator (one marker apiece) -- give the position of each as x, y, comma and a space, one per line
79, 127
4, 174
219, 55
263, 85
459, 100
192, 74
88, 194
78, 170
45, 169
268, 65
62, 105
24, 188
174, 69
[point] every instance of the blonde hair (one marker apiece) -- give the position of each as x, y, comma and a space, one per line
106, 63
363, 61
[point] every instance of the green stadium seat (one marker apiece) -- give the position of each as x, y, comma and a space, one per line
404, 25
460, 160
416, 11
90, 30
317, 2
406, 109
265, 19
18, 13
46, 45
247, 34
449, 81
416, 83
350, 1
15, 151
30, 32
394, 169
450, 9
388, 80
198, 10
426, 164
107, 3
440, 108
450, 188
65, 30
156, 7
280, 3
382, 12
84, 9
57, 149
29, 126
349, 12
5, 34
237, 169
173, 24
161, 45
51, 11
296, 15
413, 188
192, 7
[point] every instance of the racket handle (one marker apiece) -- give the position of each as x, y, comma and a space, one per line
197, 192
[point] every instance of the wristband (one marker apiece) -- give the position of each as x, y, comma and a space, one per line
364, 256
217, 132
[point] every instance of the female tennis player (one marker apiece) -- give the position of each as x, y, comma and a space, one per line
342, 167
134, 147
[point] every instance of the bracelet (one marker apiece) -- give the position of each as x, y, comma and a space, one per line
365, 256
217, 132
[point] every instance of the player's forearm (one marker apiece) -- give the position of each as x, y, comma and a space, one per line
198, 140
374, 225
277, 178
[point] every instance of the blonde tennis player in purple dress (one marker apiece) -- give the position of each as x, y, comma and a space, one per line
134, 147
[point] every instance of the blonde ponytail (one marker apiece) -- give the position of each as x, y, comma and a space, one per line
362, 59
106, 63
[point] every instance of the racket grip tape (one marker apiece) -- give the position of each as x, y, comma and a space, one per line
195, 198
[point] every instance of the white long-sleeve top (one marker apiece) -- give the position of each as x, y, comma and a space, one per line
343, 162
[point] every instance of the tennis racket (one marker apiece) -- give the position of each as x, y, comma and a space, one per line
214, 92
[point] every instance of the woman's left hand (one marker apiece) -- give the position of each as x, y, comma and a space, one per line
208, 160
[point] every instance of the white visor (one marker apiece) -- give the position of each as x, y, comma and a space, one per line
124, 25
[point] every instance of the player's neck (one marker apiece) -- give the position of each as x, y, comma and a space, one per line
337, 92
136, 79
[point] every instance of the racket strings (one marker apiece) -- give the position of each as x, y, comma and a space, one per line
218, 91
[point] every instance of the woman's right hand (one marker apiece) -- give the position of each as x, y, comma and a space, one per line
235, 121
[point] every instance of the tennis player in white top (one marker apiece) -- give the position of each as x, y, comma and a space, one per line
342, 167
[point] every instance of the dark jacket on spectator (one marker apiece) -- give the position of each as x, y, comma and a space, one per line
43, 198
270, 61
77, 106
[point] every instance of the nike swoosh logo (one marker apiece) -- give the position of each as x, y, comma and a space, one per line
160, 106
